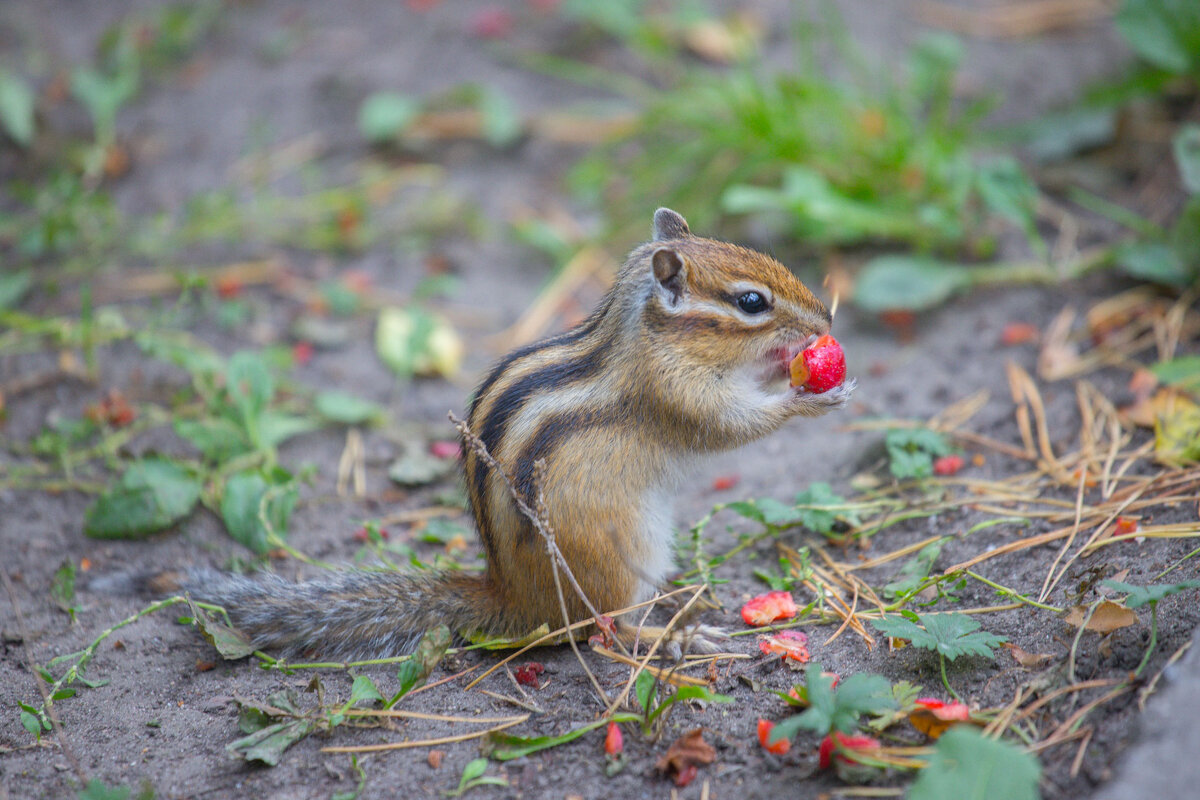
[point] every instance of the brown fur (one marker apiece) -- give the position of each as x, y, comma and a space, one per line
664, 370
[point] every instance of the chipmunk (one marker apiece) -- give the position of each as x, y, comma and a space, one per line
687, 354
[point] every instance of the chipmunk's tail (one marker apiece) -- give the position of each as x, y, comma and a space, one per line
352, 614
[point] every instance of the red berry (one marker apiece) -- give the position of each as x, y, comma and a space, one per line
826, 365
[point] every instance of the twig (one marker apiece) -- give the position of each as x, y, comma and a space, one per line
541, 526
654, 648
576, 626
513, 700
540, 519
376, 748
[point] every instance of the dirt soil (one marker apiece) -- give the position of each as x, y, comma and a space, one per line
164, 718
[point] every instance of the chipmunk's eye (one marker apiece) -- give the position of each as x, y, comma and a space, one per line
752, 302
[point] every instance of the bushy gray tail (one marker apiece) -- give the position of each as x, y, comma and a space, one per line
353, 614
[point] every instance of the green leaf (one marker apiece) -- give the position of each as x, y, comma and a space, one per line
967, 764
687, 693
14, 286
276, 427
153, 494
1138, 596
414, 341
1183, 371
385, 115
911, 451
817, 519
915, 570
912, 283
1164, 32
838, 709
501, 746
231, 643
103, 96
346, 409
364, 688
428, 654
96, 789
1059, 135
473, 776
1007, 191
62, 587
1186, 145
250, 385
951, 635
418, 467
267, 745
218, 439
644, 689
16, 108
502, 125
255, 504
31, 723
1156, 262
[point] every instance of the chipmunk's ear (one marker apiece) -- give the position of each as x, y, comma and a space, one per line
670, 273
669, 225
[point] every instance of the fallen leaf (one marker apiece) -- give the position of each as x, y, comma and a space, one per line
1026, 659
684, 756
1177, 431
418, 467
1109, 616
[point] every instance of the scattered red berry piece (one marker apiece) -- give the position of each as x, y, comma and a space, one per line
527, 674
948, 465
302, 352
724, 482
789, 645
768, 608
445, 449
614, 741
764, 734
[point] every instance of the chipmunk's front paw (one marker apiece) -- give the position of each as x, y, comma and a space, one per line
814, 405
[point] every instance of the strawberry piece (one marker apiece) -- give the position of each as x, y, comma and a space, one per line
764, 735
769, 607
786, 644
819, 368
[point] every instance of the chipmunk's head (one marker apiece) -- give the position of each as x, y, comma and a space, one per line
725, 306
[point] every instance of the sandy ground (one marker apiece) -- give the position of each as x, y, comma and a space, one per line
162, 719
